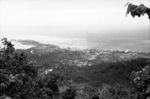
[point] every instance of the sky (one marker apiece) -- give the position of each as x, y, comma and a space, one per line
71, 18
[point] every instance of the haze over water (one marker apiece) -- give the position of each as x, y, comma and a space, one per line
76, 23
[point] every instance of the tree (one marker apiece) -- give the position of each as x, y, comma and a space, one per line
16, 73
137, 10
69, 94
142, 81
19, 78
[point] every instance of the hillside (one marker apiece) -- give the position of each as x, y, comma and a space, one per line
91, 65
57, 72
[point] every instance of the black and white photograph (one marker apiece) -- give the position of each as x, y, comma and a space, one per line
74, 49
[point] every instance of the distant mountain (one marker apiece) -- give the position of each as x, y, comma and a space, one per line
34, 43
36, 47
29, 42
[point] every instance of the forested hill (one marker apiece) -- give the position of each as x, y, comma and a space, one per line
47, 71
95, 65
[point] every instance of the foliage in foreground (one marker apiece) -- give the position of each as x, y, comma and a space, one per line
142, 81
19, 78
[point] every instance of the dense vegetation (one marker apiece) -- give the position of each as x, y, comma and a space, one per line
27, 77
19, 78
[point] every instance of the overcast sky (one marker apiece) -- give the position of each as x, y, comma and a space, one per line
68, 17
